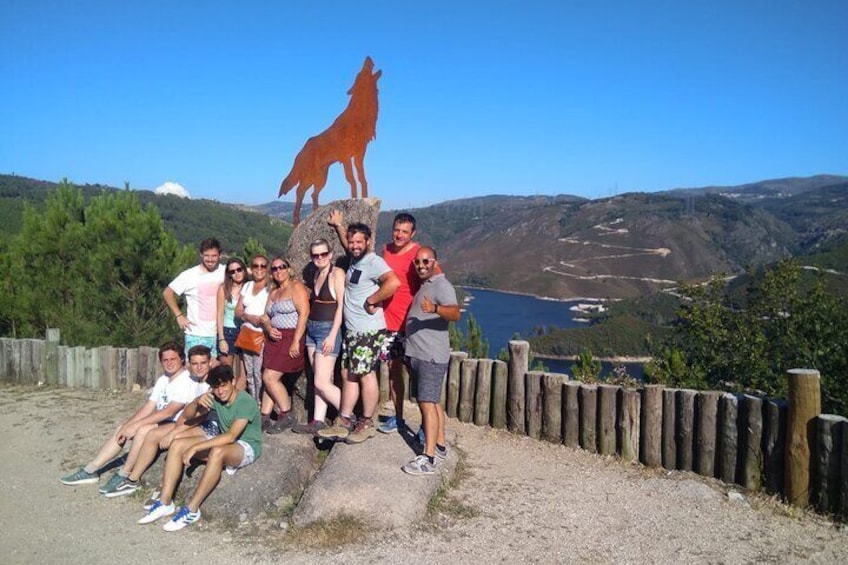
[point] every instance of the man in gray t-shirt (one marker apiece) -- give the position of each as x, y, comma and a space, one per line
428, 353
368, 282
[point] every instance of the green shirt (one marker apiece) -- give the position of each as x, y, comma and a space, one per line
243, 408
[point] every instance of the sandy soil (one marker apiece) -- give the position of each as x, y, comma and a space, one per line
516, 500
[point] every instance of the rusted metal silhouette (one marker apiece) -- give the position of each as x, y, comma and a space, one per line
344, 141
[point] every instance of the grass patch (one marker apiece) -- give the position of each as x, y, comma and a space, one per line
328, 534
443, 503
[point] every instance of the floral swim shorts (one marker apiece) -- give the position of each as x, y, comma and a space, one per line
363, 350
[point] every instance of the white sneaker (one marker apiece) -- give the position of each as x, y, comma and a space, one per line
154, 498
158, 510
184, 517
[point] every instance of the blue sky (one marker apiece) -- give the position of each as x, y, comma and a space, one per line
551, 97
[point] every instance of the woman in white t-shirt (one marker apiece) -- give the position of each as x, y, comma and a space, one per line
251, 308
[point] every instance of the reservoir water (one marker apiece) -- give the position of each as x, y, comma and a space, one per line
501, 315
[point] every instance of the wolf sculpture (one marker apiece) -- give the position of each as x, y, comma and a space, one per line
344, 141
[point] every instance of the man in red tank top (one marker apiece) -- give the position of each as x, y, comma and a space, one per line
399, 254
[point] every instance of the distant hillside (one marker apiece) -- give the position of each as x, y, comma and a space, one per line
190, 220
632, 244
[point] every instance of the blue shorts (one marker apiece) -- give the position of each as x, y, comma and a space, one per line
317, 332
230, 335
210, 342
430, 377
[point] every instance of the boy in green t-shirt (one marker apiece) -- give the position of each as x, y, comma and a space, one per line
237, 445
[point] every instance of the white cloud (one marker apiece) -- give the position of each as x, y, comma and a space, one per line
174, 188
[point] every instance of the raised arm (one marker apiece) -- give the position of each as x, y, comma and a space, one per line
336, 220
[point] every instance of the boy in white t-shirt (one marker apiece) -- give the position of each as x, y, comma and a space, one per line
172, 392
199, 285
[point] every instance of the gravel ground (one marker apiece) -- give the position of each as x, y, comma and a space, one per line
514, 500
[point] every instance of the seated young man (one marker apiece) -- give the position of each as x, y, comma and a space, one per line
237, 445
146, 446
172, 391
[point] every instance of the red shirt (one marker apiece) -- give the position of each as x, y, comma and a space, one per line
397, 306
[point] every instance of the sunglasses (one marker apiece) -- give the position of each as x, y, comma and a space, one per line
259, 266
236, 270
277, 268
425, 261
320, 255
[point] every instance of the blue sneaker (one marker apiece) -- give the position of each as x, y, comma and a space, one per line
183, 518
391, 424
81, 477
111, 483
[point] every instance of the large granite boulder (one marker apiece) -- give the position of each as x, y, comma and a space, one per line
314, 226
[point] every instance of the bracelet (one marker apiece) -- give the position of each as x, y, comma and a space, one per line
179, 315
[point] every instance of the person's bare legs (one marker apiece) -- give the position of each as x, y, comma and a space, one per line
174, 466
350, 393
110, 449
430, 421
370, 391
145, 455
277, 393
137, 445
326, 392
396, 386
226, 455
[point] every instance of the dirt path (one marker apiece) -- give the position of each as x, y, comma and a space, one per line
516, 500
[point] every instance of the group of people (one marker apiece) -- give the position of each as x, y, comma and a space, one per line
366, 308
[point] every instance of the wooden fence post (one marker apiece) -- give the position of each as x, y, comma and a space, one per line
843, 477
804, 405
552, 384
685, 428
454, 375
752, 450
629, 418
533, 407
650, 436
728, 437
774, 444
705, 436
588, 417
519, 358
571, 414
51, 356
499, 397
483, 394
825, 478
669, 428
37, 361
607, 412
468, 377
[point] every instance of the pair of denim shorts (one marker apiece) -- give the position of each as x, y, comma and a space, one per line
317, 332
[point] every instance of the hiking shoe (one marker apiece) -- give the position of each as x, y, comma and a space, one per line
283, 423
111, 483
125, 486
419, 466
309, 429
391, 424
364, 429
441, 452
81, 477
158, 510
184, 517
154, 498
340, 429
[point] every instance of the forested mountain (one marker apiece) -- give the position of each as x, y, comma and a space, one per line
190, 220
